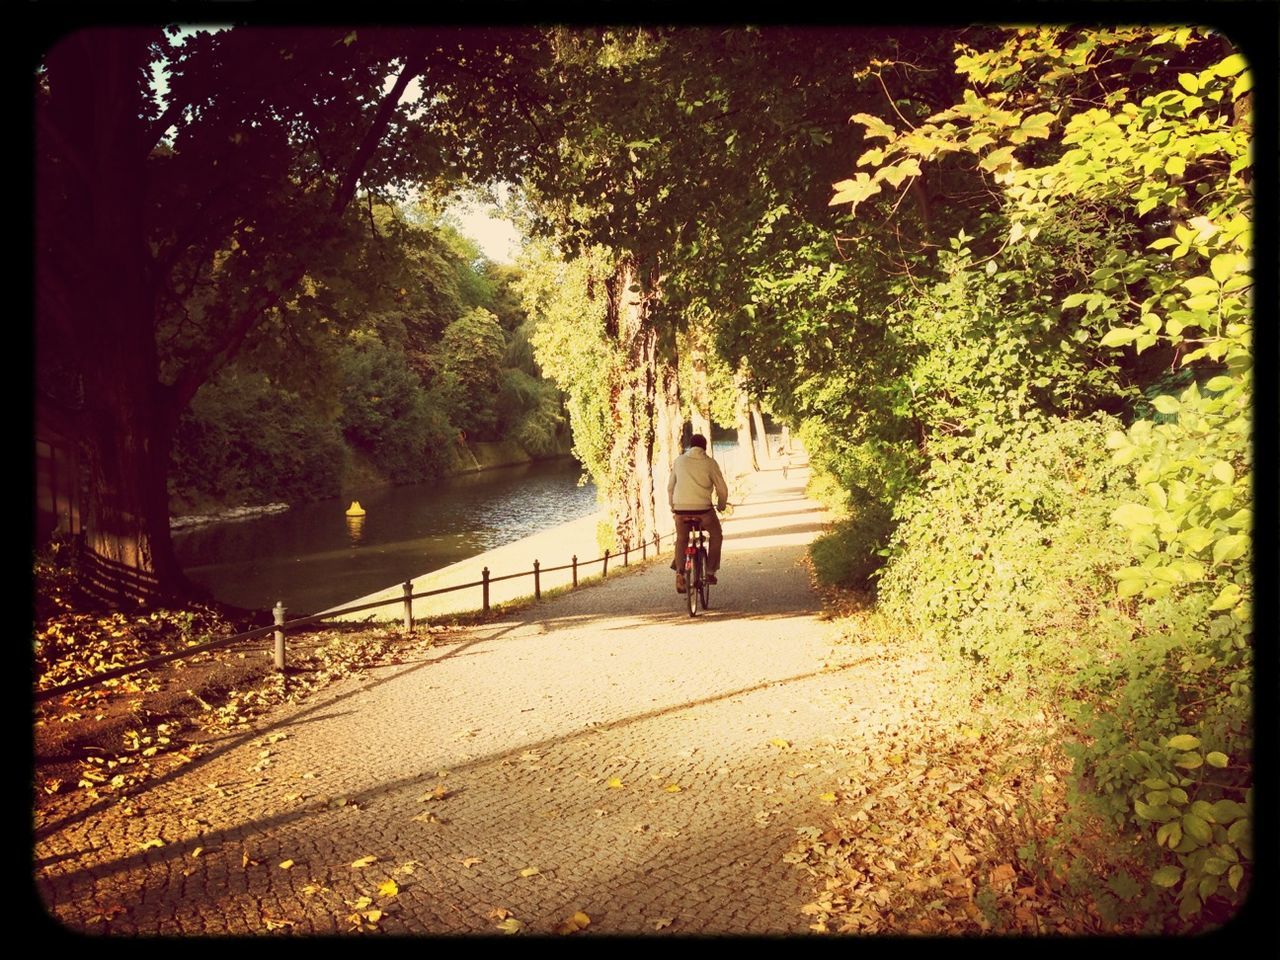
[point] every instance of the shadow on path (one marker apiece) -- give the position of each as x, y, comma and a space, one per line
179, 850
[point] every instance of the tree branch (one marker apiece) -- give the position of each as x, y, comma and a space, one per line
268, 296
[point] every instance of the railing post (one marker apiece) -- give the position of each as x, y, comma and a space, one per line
575, 569
626, 552
605, 570
279, 618
537, 582
485, 586
408, 606
644, 549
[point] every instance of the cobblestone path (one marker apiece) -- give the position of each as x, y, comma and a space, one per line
601, 752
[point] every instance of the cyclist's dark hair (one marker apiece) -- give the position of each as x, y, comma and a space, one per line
698, 440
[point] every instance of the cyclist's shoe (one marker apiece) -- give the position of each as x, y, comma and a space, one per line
679, 582
711, 579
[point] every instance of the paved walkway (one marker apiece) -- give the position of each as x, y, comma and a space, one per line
600, 752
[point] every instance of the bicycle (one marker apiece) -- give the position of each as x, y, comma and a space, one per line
696, 588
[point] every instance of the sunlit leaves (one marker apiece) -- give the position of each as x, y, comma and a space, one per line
579, 921
875, 127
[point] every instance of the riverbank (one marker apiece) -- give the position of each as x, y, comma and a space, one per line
471, 458
488, 455
553, 547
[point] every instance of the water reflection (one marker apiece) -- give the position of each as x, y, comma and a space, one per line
355, 529
305, 557
314, 556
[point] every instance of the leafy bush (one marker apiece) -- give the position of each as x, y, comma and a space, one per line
388, 416
247, 440
1002, 560
849, 554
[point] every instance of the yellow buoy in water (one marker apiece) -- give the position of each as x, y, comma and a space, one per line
355, 510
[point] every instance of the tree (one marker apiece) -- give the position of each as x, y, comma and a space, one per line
471, 353
165, 236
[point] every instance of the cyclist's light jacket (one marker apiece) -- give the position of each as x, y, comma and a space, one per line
694, 477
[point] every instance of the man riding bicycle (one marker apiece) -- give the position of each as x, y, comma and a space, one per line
694, 478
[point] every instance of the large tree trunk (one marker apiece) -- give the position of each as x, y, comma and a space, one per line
95, 307
757, 417
746, 450
646, 411
700, 393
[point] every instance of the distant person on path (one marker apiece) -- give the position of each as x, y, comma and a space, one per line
695, 477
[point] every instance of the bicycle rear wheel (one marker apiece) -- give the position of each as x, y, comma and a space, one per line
704, 588
692, 578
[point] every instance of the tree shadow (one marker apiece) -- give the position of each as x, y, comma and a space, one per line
795, 529
211, 839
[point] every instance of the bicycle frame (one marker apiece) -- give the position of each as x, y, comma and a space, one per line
695, 565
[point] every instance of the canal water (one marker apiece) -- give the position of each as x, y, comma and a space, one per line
312, 557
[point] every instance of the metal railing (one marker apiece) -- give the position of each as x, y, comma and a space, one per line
281, 626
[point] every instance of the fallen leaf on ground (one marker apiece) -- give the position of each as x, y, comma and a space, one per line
614, 784
499, 913
779, 742
148, 844
661, 922
511, 925
364, 862
287, 865
529, 871
827, 797
273, 924
579, 921
196, 852
1002, 874
470, 861
389, 889
245, 861
673, 788
360, 903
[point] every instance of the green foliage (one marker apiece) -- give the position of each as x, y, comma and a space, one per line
247, 440
1002, 559
1157, 583
530, 412
849, 555
565, 303
388, 416
470, 363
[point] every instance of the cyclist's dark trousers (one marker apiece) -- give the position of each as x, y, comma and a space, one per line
711, 524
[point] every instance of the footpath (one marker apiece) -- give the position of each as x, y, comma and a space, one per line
599, 755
